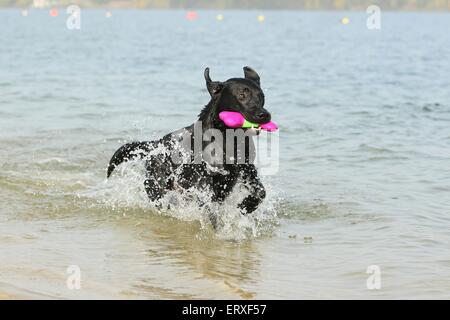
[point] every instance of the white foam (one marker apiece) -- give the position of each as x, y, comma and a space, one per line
125, 190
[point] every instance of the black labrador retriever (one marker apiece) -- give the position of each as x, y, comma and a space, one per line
179, 160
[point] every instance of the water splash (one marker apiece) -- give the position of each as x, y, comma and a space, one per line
125, 191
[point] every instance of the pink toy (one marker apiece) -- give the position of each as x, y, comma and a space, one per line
269, 126
237, 120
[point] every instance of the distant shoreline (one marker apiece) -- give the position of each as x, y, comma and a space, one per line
221, 9
297, 5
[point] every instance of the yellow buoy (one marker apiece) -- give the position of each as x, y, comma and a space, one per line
261, 18
25, 13
219, 17
345, 20
108, 14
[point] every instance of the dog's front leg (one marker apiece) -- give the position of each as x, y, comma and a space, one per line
156, 182
256, 188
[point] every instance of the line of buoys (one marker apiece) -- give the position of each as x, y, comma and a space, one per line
193, 15
190, 15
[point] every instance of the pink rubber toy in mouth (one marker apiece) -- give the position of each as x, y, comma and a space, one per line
237, 120
269, 126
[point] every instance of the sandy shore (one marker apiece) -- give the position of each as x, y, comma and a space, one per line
8, 292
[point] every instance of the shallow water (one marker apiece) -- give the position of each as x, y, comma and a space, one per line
364, 155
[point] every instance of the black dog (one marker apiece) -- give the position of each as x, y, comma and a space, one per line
217, 176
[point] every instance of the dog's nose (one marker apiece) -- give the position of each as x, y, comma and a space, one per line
264, 117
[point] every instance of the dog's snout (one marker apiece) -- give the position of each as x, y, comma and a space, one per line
264, 117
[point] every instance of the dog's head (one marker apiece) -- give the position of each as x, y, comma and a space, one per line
243, 95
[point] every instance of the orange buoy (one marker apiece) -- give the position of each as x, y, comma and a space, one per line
191, 15
53, 12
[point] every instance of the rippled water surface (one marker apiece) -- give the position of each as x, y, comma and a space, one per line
364, 173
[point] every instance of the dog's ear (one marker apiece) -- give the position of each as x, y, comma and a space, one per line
251, 75
214, 87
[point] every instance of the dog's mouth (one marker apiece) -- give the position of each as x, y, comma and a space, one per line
235, 120
263, 122
258, 118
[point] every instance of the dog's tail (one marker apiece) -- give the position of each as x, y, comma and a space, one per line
129, 151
